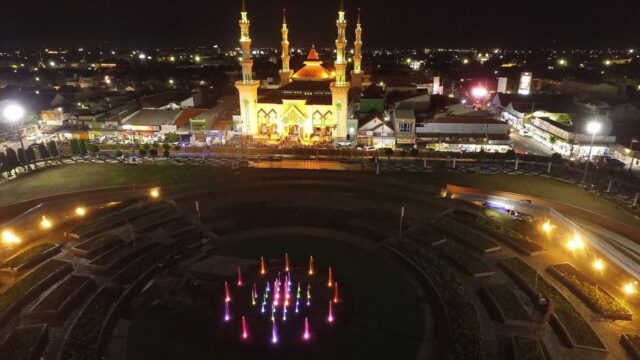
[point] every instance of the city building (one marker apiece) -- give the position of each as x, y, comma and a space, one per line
311, 105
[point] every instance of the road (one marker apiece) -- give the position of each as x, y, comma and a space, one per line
528, 145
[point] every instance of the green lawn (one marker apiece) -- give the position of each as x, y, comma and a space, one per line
69, 178
542, 187
385, 320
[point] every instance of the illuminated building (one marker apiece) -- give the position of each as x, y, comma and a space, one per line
311, 104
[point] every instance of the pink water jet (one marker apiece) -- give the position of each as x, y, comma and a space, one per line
274, 333
227, 313
306, 335
245, 330
239, 277
227, 294
286, 262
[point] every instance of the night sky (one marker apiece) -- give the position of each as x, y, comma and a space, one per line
387, 23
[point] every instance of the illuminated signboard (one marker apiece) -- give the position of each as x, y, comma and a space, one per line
525, 84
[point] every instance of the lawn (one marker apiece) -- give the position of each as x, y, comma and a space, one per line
542, 187
69, 178
384, 320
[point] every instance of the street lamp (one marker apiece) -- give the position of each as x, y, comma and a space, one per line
15, 113
546, 227
593, 128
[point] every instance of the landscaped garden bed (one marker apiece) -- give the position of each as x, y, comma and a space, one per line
464, 335
426, 235
598, 299
506, 234
25, 343
467, 236
31, 257
56, 306
631, 343
468, 262
526, 348
115, 219
81, 342
30, 286
118, 257
568, 323
504, 306
96, 245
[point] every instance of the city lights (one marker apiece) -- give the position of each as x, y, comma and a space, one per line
80, 211
45, 223
13, 112
562, 62
575, 243
479, 92
154, 193
546, 227
10, 238
630, 288
598, 265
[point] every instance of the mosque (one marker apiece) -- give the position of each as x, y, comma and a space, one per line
311, 105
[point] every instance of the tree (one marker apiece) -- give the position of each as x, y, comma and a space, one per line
556, 158
146, 146
118, 153
3, 163
31, 155
12, 159
553, 139
153, 152
22, 157
75, 148
142, 152
166, 146
52, 148
177, 147
172, 138
564, 119
165, 153
94, 149
82, 147
155, 145
43, 152
388, 152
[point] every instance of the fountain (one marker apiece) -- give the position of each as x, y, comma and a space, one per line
306, 336
330, 317
330, 281
239, 277
227, 313
286, 262
310, 265
227, 294
335, 294
263, 269
274, 332
245, 330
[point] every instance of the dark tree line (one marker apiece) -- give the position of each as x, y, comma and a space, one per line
10, 160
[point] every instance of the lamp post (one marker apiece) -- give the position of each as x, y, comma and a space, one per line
633, 154
15, 113
593, 128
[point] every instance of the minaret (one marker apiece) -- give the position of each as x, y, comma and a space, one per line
356, 74
340, 88
285, 73
247, 87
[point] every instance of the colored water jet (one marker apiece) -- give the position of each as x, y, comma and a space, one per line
263, 268
311, 271
239, 277
286, 262
227, 293
308, 294
245, 330
330, 280
335, 293
297, 305
306, 335
227, 313
274, 332
330, 317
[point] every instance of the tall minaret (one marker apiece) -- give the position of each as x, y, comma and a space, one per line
356, 74
285, 73
247, 87
340, 88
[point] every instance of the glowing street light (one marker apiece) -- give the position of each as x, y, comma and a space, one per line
546, 228
630, 288
45, 223
576, 243
15, 113
80, 211
154, 193
10, 238
598, 265
479, 92
562, 62
593, 127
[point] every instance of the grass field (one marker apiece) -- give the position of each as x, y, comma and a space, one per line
69, 178
385, 320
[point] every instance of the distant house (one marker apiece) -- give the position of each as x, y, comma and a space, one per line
404, 126
375, 130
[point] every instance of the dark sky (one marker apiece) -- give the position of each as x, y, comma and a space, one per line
387, 23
